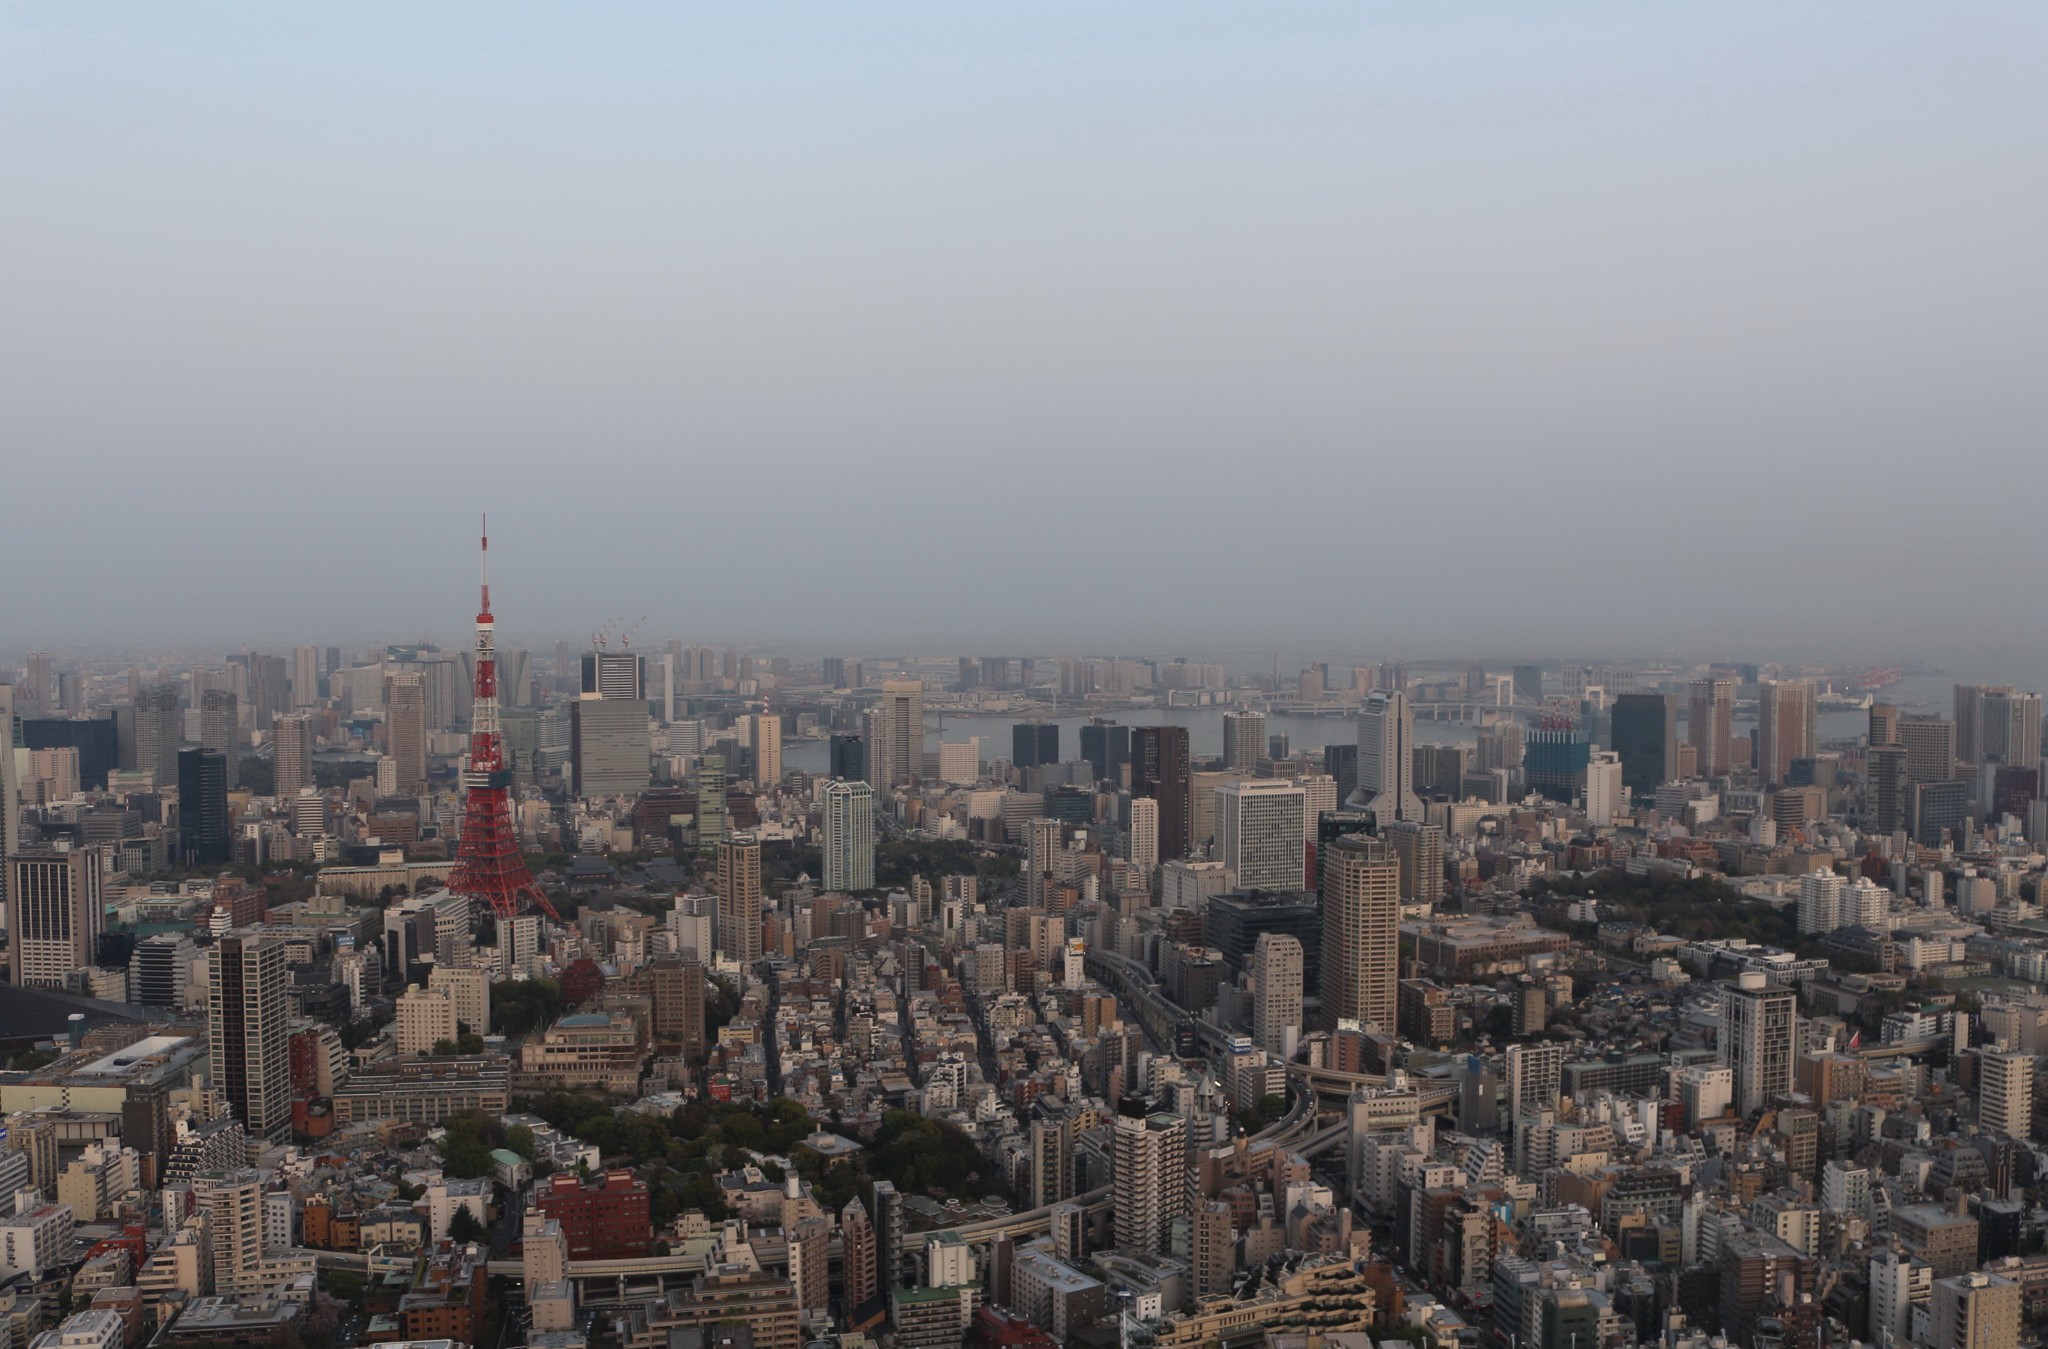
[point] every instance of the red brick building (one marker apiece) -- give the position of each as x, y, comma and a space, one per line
611, 1219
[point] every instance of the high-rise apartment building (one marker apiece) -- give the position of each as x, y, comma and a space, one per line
1759, 1030
1968, 703
1148, 1164
2005, 1093
1645, 735
849, 855
1709, 724
1419, 849
291, 753
765, 737
1159, 770
1361, 931
1141, 838
1386, 758
1244, 739
1785, 728
55, 914
203, 839
247, 1031
1978, 1310
405, 731
895, 739
1605, 796
739, 898
711, 813
1276, 968
1259, 828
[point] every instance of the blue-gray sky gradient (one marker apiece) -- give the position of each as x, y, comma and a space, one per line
1424, 327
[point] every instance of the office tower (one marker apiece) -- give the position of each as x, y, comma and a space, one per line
203, 808
765, 740
1528, 683
1645, 735
217, 730
1885, 785
711, 817
38, 686
270, 692
1759, 1028
55, 914
405, 730
1710, 711
159, 729
1930, 743
615, 674
247, 1032
1276, 991
1968, 703
160, 968
2009, 728
1419, 851
1361, 931
1033, 743
1107, 748
849, 836
1884, 724
1606, 798
895, 740
2005, 1092
847, 758
1341, 763
1259, 827
609, 746
1978, 1310
1141, 839
1935, 808
832, 669
291, 748
305, 676
960, 761
1244, 740
1386, 758
739, 898
889, 1225
1785, 727
1148, 1168
1159, 770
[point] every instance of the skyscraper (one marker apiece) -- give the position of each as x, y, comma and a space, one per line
711, 816
1884, 724
1419, 850
1361, 931
55, 914
159, 729
1033, 743
1710, 712
405, 730
291, 742
847, 758
1259, 827
203, 807
739, 898
1759, 1027
1785, 727
615, 674
609, 746
765, 735
1107, 748
1276, 990
895, 741
38, 685
849, 836
1885, 788
1930, 743
1645, 735
1244, 739
218, 730
248, 1034
1141, 839
1386, 758
2009, 728
1606, 798
1159, 770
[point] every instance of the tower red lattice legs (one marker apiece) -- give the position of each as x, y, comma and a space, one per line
487, 862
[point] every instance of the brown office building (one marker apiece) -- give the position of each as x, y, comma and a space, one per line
1159, 770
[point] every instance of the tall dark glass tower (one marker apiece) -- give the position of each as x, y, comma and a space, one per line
1159, 769
203, 807
1646, 738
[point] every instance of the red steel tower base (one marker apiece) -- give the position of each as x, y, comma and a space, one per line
487, 862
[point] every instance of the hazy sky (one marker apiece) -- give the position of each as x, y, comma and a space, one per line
1431, 328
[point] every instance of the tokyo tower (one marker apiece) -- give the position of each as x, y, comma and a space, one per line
487, 863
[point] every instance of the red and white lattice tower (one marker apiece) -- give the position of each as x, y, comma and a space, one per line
487, 864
